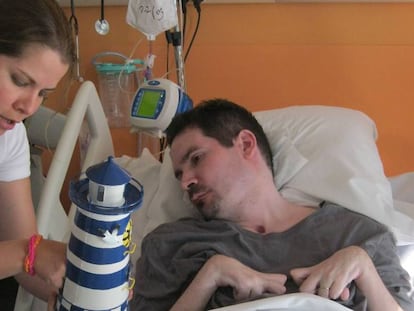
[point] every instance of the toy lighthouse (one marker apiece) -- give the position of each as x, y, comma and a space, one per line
98, 260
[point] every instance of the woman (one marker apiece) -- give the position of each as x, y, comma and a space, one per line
36, 51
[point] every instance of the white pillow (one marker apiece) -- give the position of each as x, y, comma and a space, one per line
163, 201
342, 162
145, 169
320, 153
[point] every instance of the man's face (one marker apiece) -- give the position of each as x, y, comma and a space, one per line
208, 171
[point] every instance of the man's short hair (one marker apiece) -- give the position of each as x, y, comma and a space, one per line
222, 120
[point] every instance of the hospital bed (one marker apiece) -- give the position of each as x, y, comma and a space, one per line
308, 142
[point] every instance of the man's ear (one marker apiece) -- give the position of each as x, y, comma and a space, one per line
246, 140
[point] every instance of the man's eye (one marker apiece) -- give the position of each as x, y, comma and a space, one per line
44, 99
195, 159
19, 82
44, 94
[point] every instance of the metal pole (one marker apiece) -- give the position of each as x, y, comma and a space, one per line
178, 52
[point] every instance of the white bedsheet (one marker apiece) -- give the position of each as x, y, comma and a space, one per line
291, 302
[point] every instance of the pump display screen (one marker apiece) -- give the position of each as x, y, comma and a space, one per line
149, 103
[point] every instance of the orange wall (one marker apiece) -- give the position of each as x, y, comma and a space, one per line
274, 55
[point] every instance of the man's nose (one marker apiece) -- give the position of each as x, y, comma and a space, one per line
188, 180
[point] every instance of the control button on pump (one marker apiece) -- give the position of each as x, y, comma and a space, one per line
154, 82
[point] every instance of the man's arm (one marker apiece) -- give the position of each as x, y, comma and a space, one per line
221, 271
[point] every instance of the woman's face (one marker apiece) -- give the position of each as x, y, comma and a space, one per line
25, 82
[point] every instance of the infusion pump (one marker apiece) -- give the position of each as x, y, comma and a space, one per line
154, 105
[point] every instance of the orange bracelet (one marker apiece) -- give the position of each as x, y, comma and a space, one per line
30, 257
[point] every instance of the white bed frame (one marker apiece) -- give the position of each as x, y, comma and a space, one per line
50, 213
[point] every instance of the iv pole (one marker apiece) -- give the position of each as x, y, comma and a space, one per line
178, 52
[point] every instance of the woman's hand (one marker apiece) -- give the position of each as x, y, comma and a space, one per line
50, 262
51, 302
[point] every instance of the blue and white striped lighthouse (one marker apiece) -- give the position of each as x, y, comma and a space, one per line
98, 252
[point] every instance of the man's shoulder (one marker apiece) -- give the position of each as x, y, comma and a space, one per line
346, 214
189, 224
169, 237
182, 223
189, 228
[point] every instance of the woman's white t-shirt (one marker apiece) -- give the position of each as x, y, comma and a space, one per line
14, 154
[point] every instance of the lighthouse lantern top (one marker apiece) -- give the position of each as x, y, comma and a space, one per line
107, 190
108, 173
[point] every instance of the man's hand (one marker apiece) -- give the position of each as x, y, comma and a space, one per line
221, 271
247, 283
331, 277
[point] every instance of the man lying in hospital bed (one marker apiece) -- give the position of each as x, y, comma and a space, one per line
332, 147
172, 256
